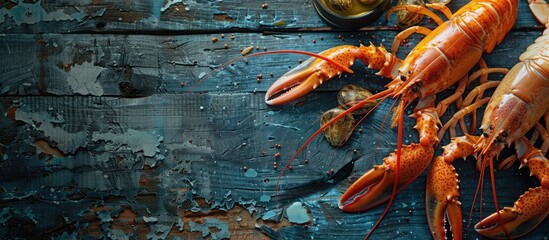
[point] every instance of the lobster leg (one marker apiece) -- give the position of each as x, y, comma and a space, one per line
375, 186
531, 208
407, 33
442, 191
418, 9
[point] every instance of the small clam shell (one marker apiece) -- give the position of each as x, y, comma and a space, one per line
339, 132
341, 5
351, 94
406, 18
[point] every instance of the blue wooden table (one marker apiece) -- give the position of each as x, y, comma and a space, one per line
110, 131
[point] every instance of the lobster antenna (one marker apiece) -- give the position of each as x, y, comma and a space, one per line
493, 180
480, 184
372, 98
397, 169
381, 130
222, 66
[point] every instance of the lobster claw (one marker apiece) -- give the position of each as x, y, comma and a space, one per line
441, 200
309, 75
540, 9
375, 187
529, 211
323, 66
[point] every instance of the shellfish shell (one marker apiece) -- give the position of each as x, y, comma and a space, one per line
339, 132
341, 5
351, 94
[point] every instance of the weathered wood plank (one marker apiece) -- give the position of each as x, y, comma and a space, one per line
186, 147
140, 16
101, 139
143, 65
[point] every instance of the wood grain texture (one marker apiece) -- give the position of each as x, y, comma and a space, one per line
152, 149
139, 16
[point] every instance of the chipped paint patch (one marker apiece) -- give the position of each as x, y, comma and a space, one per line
169, 4
116, 234
9, 213
48, 122
150, 219
83, 79
251, 173
297, 213
137, 141
32, 13
269, 215
159, 231
208, 223
104, 216
265, 198
71, 236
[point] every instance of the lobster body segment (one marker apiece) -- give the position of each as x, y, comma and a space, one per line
516, 107
449, 52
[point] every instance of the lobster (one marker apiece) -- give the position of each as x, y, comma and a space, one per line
518, 103
443, 58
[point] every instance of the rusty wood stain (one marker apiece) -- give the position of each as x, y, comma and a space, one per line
44, 147
242, 224
224, 17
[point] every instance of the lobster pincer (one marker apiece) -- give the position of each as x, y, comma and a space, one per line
310, 74
442, 191
375, 186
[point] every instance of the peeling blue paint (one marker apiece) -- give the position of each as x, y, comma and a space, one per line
269, 215
104, 216
265, 198
66, 141
150, 219
67, 236
136, 140
116, 234
159, 231
297, 213
251, 173
248, 204
18, 195
180, 224
204, 228
26, 213
83, 79
32, 13
5, 215
169, 4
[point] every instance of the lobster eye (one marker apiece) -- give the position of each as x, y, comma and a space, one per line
416, 86
504, 134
